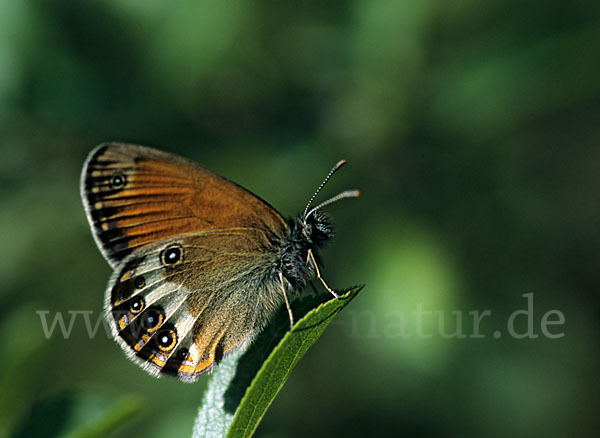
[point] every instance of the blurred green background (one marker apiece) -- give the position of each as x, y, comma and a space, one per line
471, 128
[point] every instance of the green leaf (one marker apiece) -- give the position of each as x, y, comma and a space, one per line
244, 385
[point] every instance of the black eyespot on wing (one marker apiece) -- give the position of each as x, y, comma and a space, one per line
166, 339
136, 305
139, 282
152, 319
171, 255
137, 333
118, 181
158, 347
176, 361
183, 354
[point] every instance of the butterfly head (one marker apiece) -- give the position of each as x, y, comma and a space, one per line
317, 229
316, 226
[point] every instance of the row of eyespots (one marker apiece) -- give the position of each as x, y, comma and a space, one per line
166, 339
171, 255
154, 333
151, 321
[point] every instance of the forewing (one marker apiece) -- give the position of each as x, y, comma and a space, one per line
182, 317
135, 196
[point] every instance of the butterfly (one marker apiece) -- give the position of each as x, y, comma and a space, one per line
200, 263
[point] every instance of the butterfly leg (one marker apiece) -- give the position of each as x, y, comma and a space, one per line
287, 302
311, 257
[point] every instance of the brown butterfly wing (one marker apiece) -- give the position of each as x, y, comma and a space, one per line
180, 315
135, 195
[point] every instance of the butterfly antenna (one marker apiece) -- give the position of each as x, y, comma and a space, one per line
345, 194
329, 175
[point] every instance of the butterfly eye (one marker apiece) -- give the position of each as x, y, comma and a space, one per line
117, 181
171, 255
166, 339
152, 320
136, 305
139, 282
